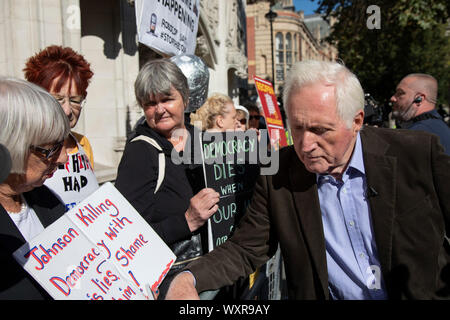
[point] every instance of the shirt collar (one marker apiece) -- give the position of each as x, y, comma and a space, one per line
356, 162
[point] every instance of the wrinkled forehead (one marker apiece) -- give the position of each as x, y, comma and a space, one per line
158, 93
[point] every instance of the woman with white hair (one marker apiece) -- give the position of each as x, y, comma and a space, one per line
33, 127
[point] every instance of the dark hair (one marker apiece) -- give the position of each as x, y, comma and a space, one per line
55, 61
251, 107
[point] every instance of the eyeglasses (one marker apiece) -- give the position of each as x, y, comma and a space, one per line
257, 117
48, 153
243, 121
75, 101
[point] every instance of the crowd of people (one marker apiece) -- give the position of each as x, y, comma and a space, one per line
358, 212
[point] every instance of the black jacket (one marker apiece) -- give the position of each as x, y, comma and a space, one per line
136, 180
15, 282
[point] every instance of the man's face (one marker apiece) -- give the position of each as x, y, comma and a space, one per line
403, 107
322, 141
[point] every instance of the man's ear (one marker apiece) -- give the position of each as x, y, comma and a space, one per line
358, 121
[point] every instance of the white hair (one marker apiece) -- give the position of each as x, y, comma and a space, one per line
29, 116
349, 93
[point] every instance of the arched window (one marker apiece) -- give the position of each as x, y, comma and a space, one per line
279, 56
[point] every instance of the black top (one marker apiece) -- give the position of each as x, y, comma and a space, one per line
15, 282
136, 180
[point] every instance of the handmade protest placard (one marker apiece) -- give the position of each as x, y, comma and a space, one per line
271, 112
168, 26
100, 249
230, 164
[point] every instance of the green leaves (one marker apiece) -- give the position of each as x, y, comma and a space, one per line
411, 39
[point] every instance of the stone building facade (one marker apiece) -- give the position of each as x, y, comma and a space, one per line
295, 38
104, 31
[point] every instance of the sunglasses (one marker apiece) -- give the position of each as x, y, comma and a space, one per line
48, 153
257, 117
243, 121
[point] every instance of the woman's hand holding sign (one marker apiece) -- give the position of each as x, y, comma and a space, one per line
202, 206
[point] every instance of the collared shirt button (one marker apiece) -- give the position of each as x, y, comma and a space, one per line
362, 255
351, 223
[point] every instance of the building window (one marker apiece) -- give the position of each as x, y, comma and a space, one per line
264, 64
288, 51
300, 48
279, 57
295, 45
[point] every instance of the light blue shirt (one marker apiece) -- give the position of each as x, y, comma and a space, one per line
353, 267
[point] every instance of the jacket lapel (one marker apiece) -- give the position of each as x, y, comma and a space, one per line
304, 187
381, 171
9, 233
48, 211
47, 207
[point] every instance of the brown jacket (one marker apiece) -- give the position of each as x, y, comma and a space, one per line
410, 212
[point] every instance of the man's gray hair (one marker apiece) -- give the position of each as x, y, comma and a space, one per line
29, 116
158, 77
349, 93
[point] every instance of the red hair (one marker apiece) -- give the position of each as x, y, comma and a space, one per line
55, 61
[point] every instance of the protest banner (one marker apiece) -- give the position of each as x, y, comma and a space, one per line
168, 26
230, 164
271, 112
100, 249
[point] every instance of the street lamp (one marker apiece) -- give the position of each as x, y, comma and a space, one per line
271, 17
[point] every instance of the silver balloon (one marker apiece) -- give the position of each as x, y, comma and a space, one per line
197, 74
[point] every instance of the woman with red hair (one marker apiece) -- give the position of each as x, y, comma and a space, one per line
66, 75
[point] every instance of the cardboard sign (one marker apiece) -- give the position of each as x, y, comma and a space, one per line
271, 112
168, 26
231, 168
100, 249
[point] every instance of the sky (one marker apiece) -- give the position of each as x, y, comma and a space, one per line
307, 6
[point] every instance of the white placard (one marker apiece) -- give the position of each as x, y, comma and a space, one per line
100, 249
168, 26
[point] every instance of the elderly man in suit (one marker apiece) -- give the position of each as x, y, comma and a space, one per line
359, 212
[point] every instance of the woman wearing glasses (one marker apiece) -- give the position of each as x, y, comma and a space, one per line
66, 75
242, 116
216, 114
33, 128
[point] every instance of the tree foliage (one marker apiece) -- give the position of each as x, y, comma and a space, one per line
412, 38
